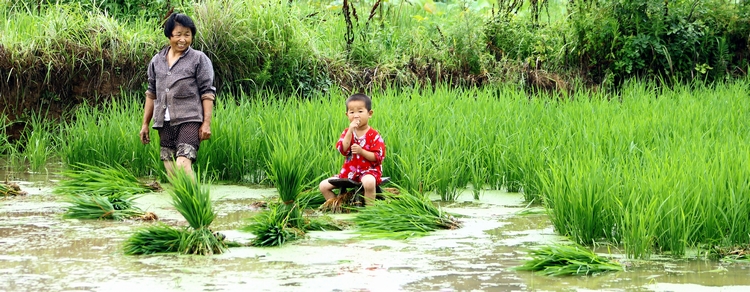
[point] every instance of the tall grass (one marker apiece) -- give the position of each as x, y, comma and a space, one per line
108, 135
39, 142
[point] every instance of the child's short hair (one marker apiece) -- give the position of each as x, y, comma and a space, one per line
360, 97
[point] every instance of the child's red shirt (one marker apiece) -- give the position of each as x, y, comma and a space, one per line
356, 166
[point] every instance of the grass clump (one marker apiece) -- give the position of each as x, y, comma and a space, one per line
192, 200
102, 192
403, 216
283, 221
564, 260
273, 228
8, 189
736, 253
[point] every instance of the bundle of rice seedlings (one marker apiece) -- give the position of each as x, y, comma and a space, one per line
730, 253
11, 189
103, 193
101, 180
283, 222
403, 216
272, 228
156, 238
193, 201
116, 207
342, 203
561, 260
348, 201
325, 223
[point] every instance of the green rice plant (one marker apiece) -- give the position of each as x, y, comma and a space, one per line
290, 175
39, 142
203, 241
565, 260
96, 192
104, 135
402, 216
237, 149
191, 199
324, 223
478, 172
85, 179
157, 238
112, 207
272, 227
447, 171
311, 199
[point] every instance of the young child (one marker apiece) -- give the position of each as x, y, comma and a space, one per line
363, 147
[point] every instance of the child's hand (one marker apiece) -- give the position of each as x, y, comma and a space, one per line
356, 149
354, 125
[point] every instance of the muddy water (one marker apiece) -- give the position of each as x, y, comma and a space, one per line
39, 251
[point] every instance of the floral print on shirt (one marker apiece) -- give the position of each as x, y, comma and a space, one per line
356, 166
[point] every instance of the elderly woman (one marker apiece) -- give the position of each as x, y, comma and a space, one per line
180, 96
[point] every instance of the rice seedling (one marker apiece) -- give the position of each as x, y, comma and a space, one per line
101, 180
272, 227
8, 189
157, 238
342, 203
311, 199
103, 135
39, 143
591, 161
102, 193
564, 260
325, 223
283, 222
112, 207
192, 200
402, 216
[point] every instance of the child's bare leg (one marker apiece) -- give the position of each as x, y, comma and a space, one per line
326, 189
369, 183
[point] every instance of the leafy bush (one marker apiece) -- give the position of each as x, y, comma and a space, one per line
647, 38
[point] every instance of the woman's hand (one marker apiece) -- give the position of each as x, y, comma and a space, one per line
144, 134
205, 132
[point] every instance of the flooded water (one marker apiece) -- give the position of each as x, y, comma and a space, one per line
39, 251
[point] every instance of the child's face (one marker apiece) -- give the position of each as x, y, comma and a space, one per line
356, 110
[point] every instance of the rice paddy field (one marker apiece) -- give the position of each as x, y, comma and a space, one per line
654, 178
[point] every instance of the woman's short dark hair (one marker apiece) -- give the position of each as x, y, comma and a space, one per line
176, 18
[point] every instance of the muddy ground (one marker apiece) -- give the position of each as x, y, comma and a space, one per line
40, 251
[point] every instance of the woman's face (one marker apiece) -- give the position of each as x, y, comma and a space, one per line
181, 38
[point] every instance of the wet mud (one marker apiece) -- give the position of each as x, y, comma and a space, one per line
40, 251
